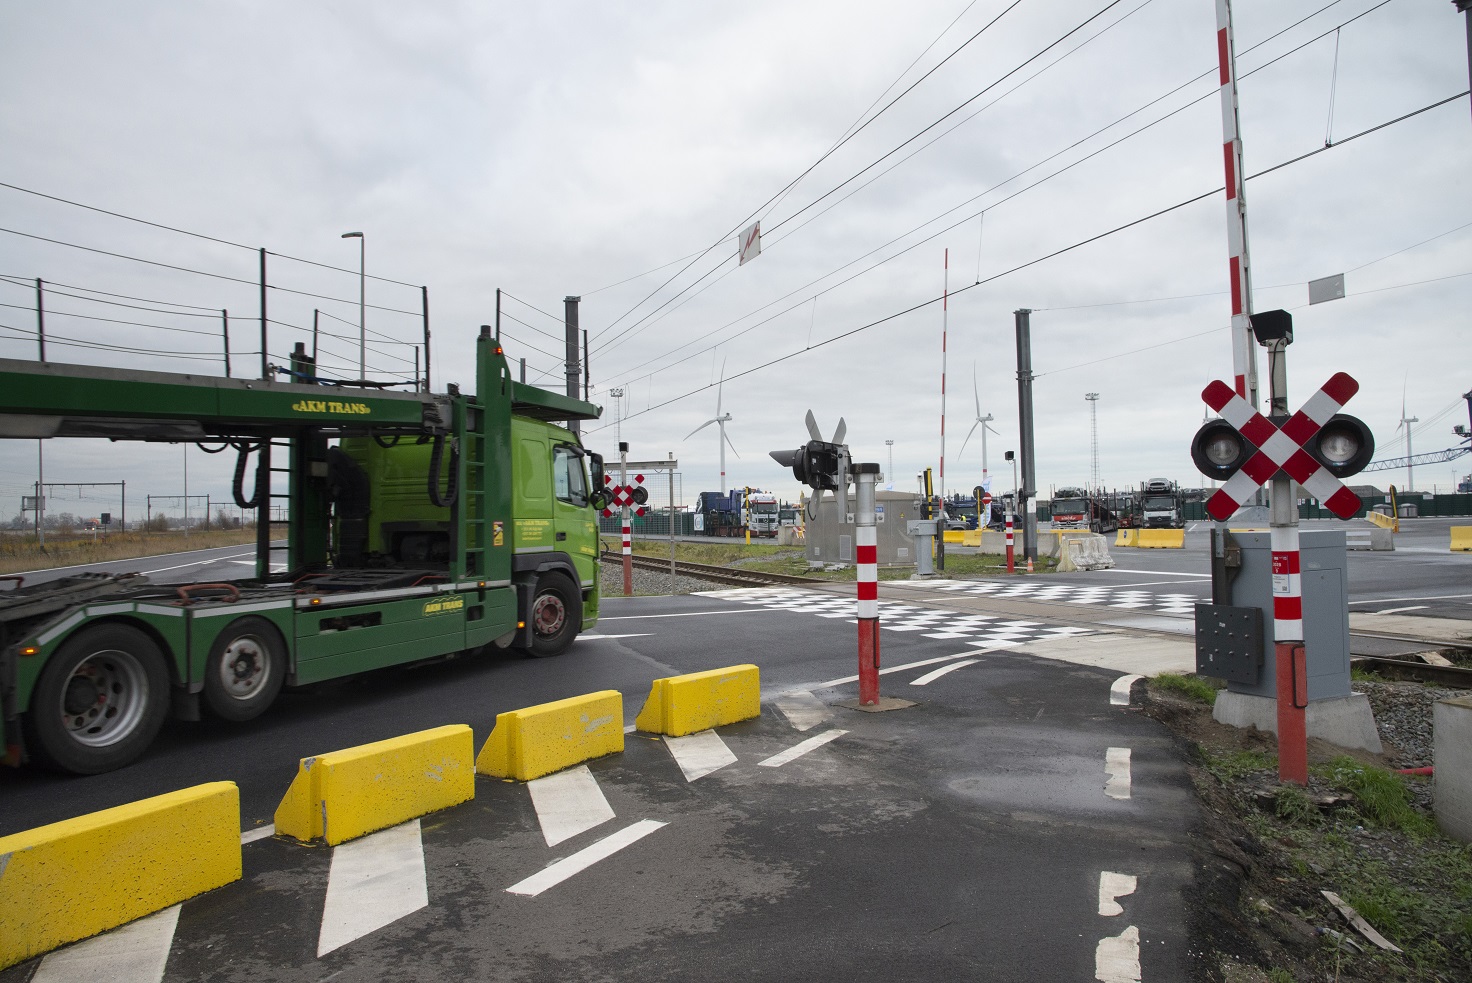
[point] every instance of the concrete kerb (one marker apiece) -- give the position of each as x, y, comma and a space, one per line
680, 705
1451, 796
73, 879
345, 794
536, 741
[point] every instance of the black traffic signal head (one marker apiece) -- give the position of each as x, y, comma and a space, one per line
815, 464
1272, 326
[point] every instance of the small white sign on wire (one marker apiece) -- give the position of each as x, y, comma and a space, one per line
751, 243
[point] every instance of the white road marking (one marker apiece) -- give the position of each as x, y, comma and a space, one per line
134, 953
686, 614
803, 710
1119, 693
899, 668
259, 833
1117, 767
374, 882
568, 803
1117, 958
560, 871
196, 563
935, 674
1161, 573
1413, 607
798, 750
1433, 597
1111, 886
595, 638
700, 754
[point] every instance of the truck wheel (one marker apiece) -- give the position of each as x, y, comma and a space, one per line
245, 669
100, 700
556, 615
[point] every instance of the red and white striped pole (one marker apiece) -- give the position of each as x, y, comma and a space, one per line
867, 559
1244, 355
1011, 567
623, 480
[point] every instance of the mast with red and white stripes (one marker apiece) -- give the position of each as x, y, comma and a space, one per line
1244, 355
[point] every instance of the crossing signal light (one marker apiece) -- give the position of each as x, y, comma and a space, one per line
1343, 446
1219, 450
815, 464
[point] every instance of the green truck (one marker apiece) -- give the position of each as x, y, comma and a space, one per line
420, 526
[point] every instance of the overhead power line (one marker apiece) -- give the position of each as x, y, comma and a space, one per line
1022, 266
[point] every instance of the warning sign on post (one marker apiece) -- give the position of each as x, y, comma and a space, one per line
751, 243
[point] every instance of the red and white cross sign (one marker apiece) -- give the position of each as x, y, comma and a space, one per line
1282, 448
622, 496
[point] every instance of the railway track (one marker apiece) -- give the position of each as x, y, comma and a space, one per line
732, 576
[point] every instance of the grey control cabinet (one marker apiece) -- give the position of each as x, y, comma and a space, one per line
1325, 610
830, 540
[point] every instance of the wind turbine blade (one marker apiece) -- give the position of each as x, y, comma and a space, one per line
721, 387
730, 445
976, 390
968, 437
698, 429
992, 428
817, 435
841, 432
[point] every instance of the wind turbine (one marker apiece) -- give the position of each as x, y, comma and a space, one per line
1410, 455
720, 422
984, 422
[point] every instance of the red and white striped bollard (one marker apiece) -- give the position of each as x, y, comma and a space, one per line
866, 557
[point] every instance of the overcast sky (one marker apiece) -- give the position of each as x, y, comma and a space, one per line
596, 149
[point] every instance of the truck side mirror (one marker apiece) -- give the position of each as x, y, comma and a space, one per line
598, 496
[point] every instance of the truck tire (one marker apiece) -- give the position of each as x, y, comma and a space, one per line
555, 616
100, 701
244, 670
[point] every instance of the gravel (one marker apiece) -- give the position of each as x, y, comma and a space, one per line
648, 582
1403, 715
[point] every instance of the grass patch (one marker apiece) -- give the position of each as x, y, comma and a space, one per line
1193, 686
1292, 804
18, 555
1239, 764
1381, 796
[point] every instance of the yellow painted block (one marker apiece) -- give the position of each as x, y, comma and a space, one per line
1461, 539
1384, 521
539, 740
970, 537
345, 794
1127, 537
954, 536
1166, 539
75, 878
680, 705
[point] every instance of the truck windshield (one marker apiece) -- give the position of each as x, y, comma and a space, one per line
1159, 502
764, 507
1068, 506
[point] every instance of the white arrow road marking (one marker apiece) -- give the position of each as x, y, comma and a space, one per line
560, 871
134, 953
1119, 693
899, 668
798, 750
568, 803
1117, 958
1117, 766
1413, 607
1111, 886
935, 674
803, 710
700, 754
374, 882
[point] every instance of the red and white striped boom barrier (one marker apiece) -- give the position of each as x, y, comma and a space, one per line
1244, 355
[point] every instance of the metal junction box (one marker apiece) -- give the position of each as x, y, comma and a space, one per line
1323, 575
832, 541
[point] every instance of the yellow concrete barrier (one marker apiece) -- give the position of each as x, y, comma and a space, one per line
539, 740
956, 536
970, 537
1461, 539
682, 705
75, 878
1161, 539
344, 794
1127, 537
1383, 521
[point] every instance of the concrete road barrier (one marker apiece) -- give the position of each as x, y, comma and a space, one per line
1161, 539
680, 705
1381, 539
1383, 521
75, 878
539, 740
1083, 551
1127, 537
957, 536
345, 794
1461, 539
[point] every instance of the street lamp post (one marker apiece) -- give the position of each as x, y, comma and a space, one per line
362, 305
